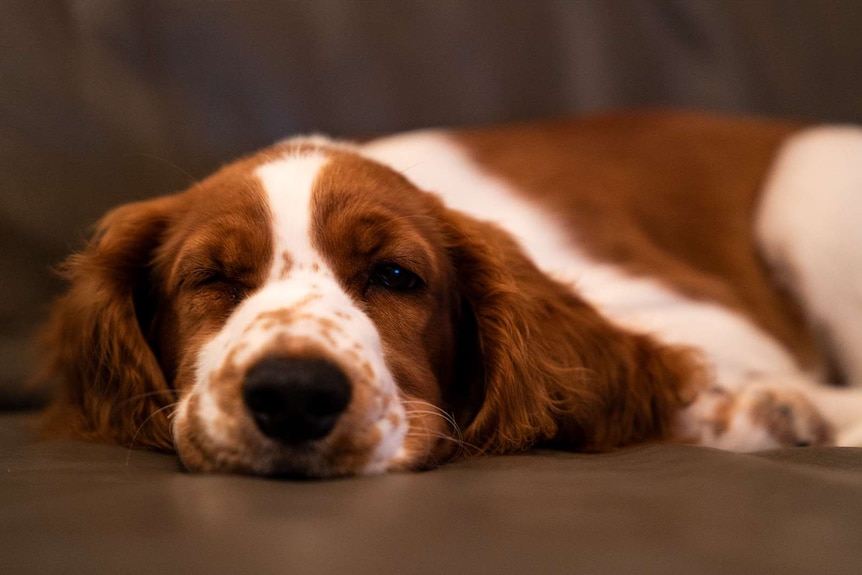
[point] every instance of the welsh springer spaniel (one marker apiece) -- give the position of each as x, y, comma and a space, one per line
323, 308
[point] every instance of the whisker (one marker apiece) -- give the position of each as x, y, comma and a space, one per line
146, 394
444, 417
449, 418
436, 411
428, 433
433, 408
141, 427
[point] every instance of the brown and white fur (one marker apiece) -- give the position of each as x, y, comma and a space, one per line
324, 308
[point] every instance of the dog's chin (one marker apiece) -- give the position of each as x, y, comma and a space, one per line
315, 460
239, 447
324, 459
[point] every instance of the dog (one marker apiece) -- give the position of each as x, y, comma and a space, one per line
323, 308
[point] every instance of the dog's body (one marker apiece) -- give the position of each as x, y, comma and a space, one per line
588, 284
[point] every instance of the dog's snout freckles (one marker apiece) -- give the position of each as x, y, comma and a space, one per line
311, 324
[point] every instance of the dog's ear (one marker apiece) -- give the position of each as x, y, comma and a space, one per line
113, 388
552, 368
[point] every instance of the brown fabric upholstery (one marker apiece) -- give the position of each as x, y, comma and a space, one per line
70, 508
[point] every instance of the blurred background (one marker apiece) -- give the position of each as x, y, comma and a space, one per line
107, 101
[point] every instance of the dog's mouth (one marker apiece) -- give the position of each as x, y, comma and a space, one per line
359, 442
376, 433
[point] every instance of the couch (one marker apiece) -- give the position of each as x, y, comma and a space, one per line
103, 103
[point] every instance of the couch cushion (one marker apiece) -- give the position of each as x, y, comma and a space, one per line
71, 507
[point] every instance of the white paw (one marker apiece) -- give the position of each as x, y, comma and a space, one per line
757, 417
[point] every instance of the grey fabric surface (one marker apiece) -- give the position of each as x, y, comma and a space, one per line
70, 507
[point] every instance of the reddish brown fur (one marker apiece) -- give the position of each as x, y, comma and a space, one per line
513, 355
551, 368
666, 195
114, 388
365, 213
554, 370
120, 375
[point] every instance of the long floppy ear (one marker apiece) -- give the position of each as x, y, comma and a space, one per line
112, 386
553, 369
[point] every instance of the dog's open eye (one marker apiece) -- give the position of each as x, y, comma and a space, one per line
395, 277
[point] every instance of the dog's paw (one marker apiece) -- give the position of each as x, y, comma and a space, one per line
787, 415
756, 417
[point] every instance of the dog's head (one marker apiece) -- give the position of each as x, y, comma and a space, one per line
308, 311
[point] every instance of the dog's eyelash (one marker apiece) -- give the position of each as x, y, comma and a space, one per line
217, 282
204, 279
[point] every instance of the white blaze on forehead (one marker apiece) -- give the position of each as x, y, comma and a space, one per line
289, 184
301, 302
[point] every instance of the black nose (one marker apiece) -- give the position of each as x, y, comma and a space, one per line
296, 400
